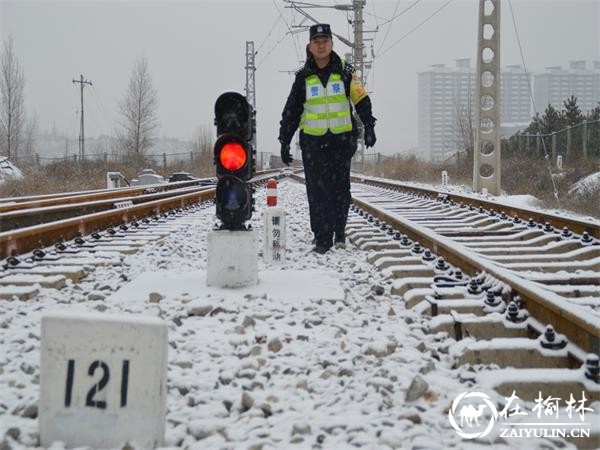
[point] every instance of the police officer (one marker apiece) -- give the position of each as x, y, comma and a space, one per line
319, 104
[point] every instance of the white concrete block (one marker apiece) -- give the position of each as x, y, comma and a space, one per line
103, 380
274, 237
232, 259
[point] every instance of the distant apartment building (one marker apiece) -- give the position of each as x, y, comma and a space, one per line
557, 84
447, 99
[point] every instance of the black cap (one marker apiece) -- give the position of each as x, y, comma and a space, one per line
320, 29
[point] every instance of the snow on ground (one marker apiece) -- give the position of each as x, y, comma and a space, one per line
525, 201
8, 170
259, 371
587, 187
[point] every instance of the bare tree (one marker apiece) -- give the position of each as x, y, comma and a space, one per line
30, 134
138, 109
12, 105
465, 139
202, 147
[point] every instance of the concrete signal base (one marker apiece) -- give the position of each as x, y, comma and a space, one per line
232, 259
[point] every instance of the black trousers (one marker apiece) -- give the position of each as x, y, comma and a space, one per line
326, 162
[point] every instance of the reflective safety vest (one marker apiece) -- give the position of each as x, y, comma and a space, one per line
326, 108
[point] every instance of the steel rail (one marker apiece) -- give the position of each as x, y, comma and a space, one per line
35, 216
41, 201
557, 221
23, 240
547, 307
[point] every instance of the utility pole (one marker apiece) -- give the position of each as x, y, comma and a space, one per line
82, 82
359, 65
486, 154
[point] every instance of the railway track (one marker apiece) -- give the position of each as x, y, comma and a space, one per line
40, 221
504, 306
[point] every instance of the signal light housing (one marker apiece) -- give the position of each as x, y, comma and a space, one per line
234, 159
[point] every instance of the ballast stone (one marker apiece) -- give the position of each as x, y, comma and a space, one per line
102, 380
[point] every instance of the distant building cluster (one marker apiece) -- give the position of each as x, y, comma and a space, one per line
447, 100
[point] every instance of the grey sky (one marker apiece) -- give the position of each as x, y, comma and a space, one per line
196, 50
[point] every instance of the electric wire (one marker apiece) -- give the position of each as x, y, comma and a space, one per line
394, 17
268, 34
101, 110
289, 32
387, 31
408, 33
374, 15
299, 53
546, 156
296, 36
258, 64
372, 70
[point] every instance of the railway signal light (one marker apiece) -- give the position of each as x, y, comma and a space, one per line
234, 159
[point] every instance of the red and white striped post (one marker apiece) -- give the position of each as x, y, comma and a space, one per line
272, 192
274, 227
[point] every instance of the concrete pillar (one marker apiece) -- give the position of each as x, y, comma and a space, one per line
486, 161
568, 151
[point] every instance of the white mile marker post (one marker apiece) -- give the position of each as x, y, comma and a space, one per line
274, 226
103, 380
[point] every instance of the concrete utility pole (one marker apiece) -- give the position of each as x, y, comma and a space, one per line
486, 154
359, 65
82, 82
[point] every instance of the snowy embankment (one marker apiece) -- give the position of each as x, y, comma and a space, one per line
9, 170
265, 370
586, 188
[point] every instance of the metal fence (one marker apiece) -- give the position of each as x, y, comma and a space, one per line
157, 159
571, 144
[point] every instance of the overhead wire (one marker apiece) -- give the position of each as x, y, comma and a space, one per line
394, 17
100, 107
268, 34
423, 22
546, 155
258, 64
298, 52
296, 36
372, 70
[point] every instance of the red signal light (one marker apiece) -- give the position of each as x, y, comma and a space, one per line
232, 156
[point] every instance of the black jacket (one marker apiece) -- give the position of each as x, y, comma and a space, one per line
292, 112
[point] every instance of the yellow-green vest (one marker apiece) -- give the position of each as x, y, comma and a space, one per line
326, 108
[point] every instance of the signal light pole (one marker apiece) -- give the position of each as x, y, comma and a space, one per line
234, 159
232, 249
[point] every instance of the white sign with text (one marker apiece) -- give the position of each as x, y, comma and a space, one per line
274, 237
103, 380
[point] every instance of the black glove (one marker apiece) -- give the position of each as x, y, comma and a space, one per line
286, 157
370, 138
